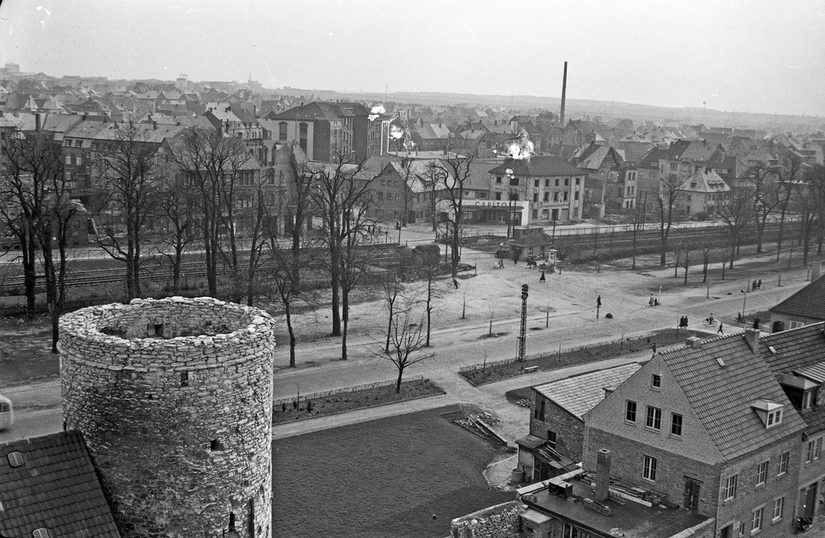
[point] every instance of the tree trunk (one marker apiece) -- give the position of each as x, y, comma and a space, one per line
29, 275
289, 328
398, 380
336, 301
429, 307
345, 308
389, 329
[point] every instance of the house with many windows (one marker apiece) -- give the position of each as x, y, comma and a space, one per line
552, 188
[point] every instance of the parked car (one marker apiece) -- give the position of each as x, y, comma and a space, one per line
6, 413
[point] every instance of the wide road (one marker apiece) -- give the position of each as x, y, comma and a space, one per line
574, 325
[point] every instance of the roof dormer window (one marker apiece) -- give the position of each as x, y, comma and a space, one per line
807, 399
769, 412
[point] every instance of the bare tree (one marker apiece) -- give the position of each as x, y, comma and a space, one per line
737, 213
35, 184
175, 203
705, 262
767, 194
217, 168
669, 192
392, 288
407, 342
815, 178
433, 181
457, 170
20, 206
299, 209
344, 195
127, 167
806, 202
788, 176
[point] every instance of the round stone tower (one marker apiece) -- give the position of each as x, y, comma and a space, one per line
174, 399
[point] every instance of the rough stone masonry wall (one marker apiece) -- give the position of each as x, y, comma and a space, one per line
179, 427
499, 521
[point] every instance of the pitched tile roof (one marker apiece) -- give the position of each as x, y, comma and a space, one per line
721, 396
55, 488
539, 165
798, 352
809, 302
704, 181
579, 394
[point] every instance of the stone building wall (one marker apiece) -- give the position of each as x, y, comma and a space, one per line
499, 521
174, 399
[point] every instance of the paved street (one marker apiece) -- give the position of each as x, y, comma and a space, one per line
38, 405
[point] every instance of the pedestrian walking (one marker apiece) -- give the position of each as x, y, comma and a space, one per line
654, 350
759, 285
720, 331
650, 302
542, 279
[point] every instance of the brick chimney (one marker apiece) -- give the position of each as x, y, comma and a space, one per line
752, 339
694, 342
602, 474
563, 96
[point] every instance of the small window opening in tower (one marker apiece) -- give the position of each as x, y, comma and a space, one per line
184, 379
159, 329
216, 446
231, 521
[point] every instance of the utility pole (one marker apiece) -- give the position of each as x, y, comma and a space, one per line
522, 339
598, 305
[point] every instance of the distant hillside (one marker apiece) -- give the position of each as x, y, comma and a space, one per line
577, 108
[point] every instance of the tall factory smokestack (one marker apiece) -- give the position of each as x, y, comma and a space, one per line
563, 95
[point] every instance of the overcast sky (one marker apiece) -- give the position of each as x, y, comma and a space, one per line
756, 55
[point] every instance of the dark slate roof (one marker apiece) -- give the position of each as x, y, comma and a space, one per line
538, 165
56, 488
795, 351
651, 158
721, 396
809, 302
579, 394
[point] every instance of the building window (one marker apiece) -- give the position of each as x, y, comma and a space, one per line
565, 196
818, 448
546, 196
547, 182
567, 182
756, 520
649, 471
535, 197
551, 439
807, 399
630, 411
41, 533
536, 183
656, 381
69, 161
729, 488
654, 418
556, 196
762, 473
282, 130
578, 181
778, 508
676, 424
557, 182
498, 196
782, 465
774, 418
576, 195
498, 180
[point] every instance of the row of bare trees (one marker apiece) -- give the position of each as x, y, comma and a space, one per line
770, 192
36, 209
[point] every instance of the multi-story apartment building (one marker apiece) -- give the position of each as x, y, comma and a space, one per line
325, 130
552, 188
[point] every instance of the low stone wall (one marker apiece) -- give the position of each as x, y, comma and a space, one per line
499, 521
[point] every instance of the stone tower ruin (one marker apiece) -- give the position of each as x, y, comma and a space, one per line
174, 400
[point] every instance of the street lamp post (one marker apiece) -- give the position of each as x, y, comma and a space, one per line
522, 339
745, 299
